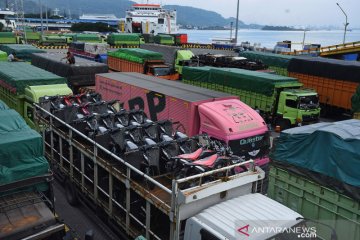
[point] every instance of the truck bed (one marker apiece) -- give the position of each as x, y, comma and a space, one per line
171, 88
134, 201
24, 214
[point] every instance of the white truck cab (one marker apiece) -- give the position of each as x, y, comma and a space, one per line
251, 216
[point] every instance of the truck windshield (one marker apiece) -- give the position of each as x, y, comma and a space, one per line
161, 71
309, 102
251, 147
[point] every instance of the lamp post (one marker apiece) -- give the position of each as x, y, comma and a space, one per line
41, 18
346, 22
237, 22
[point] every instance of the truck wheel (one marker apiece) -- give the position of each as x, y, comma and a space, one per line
70, 194
283, 123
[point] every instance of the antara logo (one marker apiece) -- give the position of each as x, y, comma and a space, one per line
244, 230
251, 140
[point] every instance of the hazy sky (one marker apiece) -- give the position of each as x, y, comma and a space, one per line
280, 12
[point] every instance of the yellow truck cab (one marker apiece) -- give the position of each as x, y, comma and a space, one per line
34, 93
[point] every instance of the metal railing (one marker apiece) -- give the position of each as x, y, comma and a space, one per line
168, 204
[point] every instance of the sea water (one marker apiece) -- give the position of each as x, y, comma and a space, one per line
268, 39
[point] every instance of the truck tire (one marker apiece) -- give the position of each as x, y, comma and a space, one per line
70, 193
283, 123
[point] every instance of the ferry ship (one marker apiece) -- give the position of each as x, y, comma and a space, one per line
150, 18
9, 24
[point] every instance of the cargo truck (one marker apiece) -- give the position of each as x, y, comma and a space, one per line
165, 211
26, 198
80, 74
92, 51
277, 62
141, 61
335, 81
54, 41
197, 110
176, 57
280, 100
23, 51
22, 84
315, 171
124, 39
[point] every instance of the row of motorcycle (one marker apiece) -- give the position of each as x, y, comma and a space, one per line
154, 147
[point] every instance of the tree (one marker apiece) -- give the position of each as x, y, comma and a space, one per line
1, 26
95, 27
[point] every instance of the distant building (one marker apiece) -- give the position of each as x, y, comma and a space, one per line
99, 17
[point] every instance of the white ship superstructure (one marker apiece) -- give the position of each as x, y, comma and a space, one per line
150, 18
4, 14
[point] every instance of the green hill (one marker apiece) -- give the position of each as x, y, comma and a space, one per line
186, 15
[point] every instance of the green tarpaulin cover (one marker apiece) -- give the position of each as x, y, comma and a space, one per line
18, 75
86, 38
118, 38
10, 121
3, 106
21, 150
22, 51
270, 59
331, 149
7, 37
327, 68
262, 83
136, 55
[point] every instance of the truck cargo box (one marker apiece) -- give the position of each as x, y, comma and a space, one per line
82, 73
124, 39
22, 51
21, 150
160, 99
277, 62
331, 209
335, 80
168, 52
25, 216
325, 152
7, 38
196, 110
15, 76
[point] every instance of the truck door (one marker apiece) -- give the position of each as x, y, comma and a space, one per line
291, 109
29, 114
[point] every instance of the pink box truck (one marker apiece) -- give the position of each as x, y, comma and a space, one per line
198, 110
